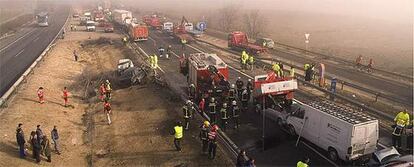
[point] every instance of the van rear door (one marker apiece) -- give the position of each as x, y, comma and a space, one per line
364, 139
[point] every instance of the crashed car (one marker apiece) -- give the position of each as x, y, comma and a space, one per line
390, 157
132, 76
124, 64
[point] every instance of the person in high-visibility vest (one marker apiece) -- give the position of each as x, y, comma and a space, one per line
155, 61
178, 135
183, 43
151, 61
276, 69
292, 72
306, 66
304, 163
251, 61
124, 39
402, 120
244, 58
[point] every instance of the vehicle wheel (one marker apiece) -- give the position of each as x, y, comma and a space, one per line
291, 130
279, 122
333, 154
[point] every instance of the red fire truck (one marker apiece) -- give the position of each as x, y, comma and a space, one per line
205, 71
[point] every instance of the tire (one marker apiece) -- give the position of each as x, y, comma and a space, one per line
291, 130
333, 154
279, 122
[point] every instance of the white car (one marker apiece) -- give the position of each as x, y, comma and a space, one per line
124, 64
90, 26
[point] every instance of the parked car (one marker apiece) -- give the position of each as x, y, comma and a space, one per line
108, 27
390, 157
268, 43
124, 64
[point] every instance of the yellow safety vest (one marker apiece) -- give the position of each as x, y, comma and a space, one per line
292, 72
251, 59
301, 164
402, 119
155, 60
178, 132
306, 66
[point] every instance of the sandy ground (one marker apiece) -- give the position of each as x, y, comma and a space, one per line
142, 115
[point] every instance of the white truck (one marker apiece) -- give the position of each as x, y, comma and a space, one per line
345, 133
120, 16
90, 26
168, 27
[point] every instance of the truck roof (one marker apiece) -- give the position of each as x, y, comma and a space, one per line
202, 60
342, 112
121, 11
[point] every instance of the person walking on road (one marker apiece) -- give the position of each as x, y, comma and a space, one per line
249, 87
75, 55
39, 134
46, 148
36, 147
65, 96
107, 111
178, 135
212, 142
204, 136
239, 87
245, 99
304, 163
20, 140
202, 105
55, 137
232, 93
41, 95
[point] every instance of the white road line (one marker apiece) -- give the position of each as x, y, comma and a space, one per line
16, 40
327, 159
36, 39
19, 53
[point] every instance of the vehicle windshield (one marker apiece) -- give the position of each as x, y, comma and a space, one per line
90, 24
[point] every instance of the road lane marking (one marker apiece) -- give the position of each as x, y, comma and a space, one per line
19, 53
16, 40
36, 39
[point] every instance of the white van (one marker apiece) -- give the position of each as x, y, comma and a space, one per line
90, 26
345, 133
168, 27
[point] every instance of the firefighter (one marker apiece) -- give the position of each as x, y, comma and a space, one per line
244, 98
239, 86
202, 105
358, 61
102, 91
276, 69
108, 89
224, 116
244, 58
235, 113
183, 43
40, 95
402, 120
151, 61
187, 115
212, 110
191, 92
304, 163
306, 66
232, 93
371, 62
249, 87
155, 61
251, 62
124, 40
169, 51
281, 69
161, 51
65, 96
212, 142
204, 129
292, 72
218, 94
107, 110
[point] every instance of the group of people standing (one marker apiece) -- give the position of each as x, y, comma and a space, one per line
105, 91
65, 96
39, 143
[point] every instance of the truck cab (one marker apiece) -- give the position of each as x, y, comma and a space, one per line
90, 26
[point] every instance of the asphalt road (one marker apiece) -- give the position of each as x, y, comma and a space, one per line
18, 52
350, 74
280, 148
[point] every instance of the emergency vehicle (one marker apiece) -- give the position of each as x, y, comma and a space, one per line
206, 70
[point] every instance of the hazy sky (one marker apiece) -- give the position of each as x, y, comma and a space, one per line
389, 10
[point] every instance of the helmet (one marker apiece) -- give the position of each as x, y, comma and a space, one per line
169, 46
238, 77
224, 104
192, 85
188, 101
206, 123
250, 80
215, 128
212, 99
232, 86
234, 102
107, 81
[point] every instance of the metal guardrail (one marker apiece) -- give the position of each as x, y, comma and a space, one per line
13, 88
300, 78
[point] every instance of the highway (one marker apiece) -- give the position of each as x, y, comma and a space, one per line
389, 87
19, 51
280, 148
